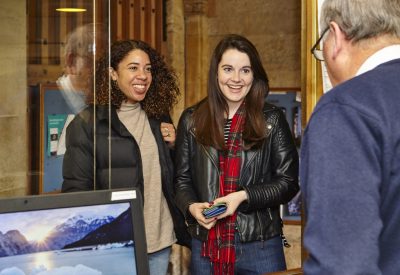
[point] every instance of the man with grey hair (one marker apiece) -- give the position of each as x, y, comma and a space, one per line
84, 46
350, 155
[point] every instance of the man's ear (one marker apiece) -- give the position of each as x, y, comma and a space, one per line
69, 59
339, 39
70, 63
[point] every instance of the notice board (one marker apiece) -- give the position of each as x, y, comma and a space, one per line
52, 113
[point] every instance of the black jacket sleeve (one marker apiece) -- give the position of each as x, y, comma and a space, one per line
78, 160
283, 184
184, 189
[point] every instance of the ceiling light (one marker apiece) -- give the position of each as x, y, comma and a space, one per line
71, 9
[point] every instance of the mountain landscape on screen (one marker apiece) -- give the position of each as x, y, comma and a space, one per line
74, 232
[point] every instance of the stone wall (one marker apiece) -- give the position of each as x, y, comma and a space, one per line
13, 98
273, 26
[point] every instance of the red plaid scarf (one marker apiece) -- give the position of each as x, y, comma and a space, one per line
220, 245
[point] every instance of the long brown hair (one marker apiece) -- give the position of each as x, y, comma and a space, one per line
209, 117
163, 92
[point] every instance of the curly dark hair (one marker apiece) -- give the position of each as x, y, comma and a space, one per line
163, 92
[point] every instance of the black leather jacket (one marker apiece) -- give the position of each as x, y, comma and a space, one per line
125, 169
269, 175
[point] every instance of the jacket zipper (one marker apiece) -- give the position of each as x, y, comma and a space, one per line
217, 167
269, 212
247, 165
261, 230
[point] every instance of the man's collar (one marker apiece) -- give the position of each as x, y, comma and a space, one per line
382, 56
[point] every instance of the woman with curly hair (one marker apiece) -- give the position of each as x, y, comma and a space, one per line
125, 139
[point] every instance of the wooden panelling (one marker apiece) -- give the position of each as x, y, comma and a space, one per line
48, 28
54, 31
138, 19
131, 22
44, 31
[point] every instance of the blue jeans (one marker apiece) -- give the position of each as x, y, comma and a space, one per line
251, 258
158, 261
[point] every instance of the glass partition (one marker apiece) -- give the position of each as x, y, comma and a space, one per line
66, 40
50, 51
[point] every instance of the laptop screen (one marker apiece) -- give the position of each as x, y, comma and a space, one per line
96, 232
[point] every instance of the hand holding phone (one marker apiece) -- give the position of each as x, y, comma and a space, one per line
214, 210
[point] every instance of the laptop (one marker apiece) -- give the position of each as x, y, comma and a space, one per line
89, 233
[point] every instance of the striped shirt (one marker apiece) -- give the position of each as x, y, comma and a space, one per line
227, 128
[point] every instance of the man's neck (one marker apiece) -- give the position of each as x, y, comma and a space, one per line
363, 50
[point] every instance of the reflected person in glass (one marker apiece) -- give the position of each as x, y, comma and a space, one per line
84, 46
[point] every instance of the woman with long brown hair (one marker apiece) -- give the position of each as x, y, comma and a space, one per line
234, 149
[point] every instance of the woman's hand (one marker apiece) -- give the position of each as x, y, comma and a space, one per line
168, 133
196, 209
233, 200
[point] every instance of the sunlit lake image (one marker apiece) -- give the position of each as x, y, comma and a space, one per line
105, 261
87, 240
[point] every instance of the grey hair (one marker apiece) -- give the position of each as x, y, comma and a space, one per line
85, 40
362, 19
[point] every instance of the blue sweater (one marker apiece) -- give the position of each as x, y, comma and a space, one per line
350, 177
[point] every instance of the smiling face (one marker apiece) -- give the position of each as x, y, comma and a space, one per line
235, 78
133, 75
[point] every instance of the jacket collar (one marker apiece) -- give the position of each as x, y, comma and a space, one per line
108, 114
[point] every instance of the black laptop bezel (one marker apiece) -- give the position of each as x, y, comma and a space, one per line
88, 198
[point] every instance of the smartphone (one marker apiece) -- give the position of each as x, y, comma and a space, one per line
214, 210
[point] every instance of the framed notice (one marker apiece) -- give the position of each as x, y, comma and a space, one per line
50, 115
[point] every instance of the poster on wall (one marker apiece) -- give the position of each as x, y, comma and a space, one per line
49, 120
55, 125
